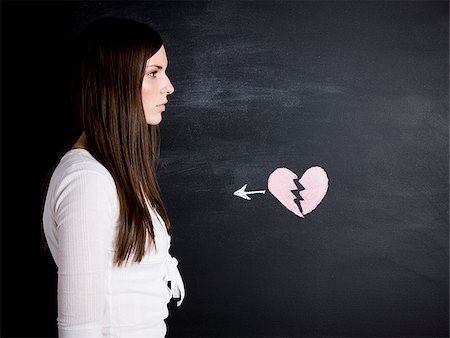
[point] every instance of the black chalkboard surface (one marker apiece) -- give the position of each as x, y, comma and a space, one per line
359, 89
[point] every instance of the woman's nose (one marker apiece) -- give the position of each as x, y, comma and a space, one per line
169, 89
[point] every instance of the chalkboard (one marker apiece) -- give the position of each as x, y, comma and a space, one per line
357, 89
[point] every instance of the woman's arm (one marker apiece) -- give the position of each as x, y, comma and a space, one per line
84, 214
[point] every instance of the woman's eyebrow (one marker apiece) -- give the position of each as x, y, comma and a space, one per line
159, 67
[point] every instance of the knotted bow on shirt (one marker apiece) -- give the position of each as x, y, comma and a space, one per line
173, 275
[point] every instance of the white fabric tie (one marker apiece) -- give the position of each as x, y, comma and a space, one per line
173, 275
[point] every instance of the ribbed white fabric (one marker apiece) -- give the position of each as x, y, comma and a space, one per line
95, 298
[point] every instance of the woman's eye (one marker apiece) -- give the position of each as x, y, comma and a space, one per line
152, 74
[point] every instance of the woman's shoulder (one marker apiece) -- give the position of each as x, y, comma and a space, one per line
79, 161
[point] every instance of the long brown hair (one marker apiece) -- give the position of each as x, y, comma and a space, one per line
108, 65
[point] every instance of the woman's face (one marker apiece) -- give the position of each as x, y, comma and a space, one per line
156, 86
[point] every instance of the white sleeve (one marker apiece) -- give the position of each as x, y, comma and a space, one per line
84, 213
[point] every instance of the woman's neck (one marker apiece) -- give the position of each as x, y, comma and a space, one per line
81, 143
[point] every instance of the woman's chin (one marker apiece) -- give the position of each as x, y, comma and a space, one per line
154, 120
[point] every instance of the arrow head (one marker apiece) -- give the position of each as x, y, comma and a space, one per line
241, 193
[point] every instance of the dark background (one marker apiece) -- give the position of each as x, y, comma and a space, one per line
358, 88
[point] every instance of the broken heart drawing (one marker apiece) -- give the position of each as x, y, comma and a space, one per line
300, 196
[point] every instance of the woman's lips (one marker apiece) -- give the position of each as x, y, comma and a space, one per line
163, 105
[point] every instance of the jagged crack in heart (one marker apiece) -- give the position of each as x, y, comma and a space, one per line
296, 193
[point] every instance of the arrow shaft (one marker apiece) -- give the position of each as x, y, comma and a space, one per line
255, 192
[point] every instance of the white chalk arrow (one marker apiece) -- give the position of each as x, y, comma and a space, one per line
244, 194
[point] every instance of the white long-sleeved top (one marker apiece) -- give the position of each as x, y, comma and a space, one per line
95, 298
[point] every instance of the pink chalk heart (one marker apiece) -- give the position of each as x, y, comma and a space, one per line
281, 182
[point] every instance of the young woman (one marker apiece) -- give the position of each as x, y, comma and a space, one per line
103, 217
